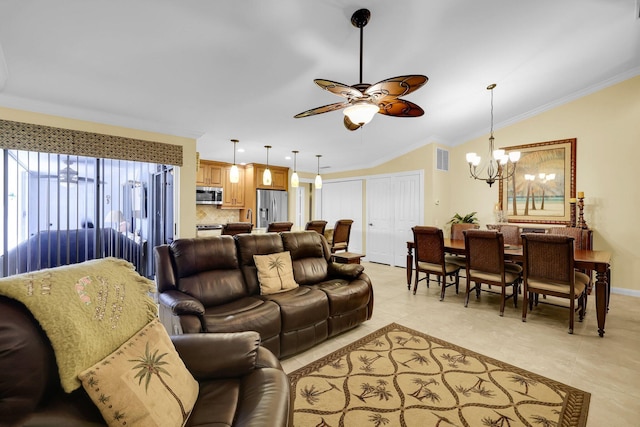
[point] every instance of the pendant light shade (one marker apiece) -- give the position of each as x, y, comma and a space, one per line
318, 177
266, 176
295, 181
234, 174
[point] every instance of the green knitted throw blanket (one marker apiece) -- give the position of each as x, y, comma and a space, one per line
87, 310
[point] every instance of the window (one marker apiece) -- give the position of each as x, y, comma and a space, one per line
60, 209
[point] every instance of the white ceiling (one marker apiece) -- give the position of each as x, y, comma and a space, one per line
223, 69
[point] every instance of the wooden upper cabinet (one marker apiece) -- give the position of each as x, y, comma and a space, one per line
279, 178
233, 194
210, 174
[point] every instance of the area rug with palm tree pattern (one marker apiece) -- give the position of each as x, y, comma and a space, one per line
397, 376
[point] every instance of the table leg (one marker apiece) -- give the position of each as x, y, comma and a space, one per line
409, 266
602, 297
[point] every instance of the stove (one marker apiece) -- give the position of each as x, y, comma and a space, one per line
208, 227
205, 230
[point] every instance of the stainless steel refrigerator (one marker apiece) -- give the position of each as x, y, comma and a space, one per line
272, 206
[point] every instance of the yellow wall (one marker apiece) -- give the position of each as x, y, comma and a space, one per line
185, 177
607, 127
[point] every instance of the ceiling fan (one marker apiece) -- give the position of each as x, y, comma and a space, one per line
69, 175
363, 100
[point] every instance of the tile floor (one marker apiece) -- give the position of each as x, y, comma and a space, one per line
608, 368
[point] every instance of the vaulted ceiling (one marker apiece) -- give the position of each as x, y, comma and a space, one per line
223, 69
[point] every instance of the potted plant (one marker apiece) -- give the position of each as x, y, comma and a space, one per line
468, 218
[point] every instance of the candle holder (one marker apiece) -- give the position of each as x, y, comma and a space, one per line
572, 211
581, 222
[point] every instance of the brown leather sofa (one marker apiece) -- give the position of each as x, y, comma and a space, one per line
211, 285
241, 383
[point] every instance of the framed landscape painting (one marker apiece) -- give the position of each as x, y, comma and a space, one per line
544, 182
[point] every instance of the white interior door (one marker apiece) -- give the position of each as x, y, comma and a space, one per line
379, 220
393, 207
407, 202
343, 200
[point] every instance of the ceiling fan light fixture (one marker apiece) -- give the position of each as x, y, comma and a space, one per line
361, 112
68, 176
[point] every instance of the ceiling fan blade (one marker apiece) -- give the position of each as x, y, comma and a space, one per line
339, 89
400, 108
323, 109
350, 125
395, 87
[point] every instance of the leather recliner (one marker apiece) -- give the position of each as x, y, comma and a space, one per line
241, 383
211, 285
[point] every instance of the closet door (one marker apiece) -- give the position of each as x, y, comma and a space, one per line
379, 220
393, 207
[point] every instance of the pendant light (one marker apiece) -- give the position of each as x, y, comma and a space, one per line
497, 163
318, 177
266, 176
295, 181
234, 174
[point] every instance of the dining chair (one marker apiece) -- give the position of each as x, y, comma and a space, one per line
317, 225
340, 237
511, 234
430, 259
484, 251
549, 270
277, 227
233, 228
579, 242
457, 233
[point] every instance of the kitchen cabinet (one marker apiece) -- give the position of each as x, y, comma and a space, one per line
233, 194
210, 174
279, 178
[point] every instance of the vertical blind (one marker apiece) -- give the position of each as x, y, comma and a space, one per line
69, 196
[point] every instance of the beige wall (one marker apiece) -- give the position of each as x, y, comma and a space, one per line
185, 177
607, 127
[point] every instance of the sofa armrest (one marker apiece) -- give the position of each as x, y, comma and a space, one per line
347, 271
181, 303
218, 355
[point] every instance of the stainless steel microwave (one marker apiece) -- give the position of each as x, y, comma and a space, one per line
208, 195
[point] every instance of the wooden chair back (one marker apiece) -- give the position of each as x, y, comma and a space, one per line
233, 228
429, 245
341, 234
458, 229
484, 250
316, 225
277, 227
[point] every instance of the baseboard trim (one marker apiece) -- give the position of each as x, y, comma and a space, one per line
624, 291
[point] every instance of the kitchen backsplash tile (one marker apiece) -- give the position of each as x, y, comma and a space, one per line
206, 214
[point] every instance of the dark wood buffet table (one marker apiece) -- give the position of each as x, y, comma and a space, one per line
599, 261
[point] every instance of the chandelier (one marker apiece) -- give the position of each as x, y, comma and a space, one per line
497, 166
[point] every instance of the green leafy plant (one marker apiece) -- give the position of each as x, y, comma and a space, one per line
468, 218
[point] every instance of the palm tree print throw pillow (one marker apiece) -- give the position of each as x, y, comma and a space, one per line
142, 383
275, 272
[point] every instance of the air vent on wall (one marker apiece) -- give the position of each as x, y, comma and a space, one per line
442, 159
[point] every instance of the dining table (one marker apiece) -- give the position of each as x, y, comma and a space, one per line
598, 261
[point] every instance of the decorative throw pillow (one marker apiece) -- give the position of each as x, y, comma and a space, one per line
275, 272
142, 383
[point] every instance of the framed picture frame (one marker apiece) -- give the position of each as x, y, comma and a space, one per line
544, 183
